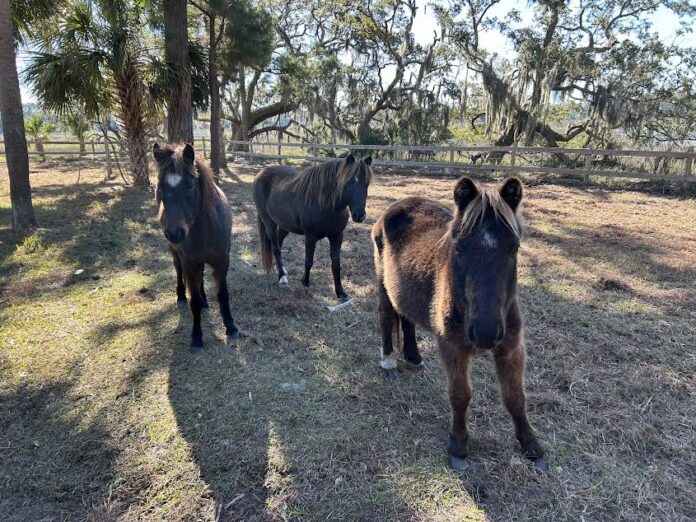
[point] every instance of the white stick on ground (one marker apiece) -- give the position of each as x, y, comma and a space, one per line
339, 306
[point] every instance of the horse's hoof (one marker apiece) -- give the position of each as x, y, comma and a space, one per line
390, 374
343, 297
181, 302
541, 464
415, 366
196, 348
233, 337
458, 464
283, 281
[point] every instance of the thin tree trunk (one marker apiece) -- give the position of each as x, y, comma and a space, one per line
132, 109
107, 148
176, 51
40, 148
13, 126
215, 109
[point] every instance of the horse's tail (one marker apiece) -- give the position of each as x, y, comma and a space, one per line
266, 247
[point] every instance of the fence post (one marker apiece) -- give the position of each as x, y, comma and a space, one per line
513, 154
205, 151
688, 162
588, 166
451, 169
280, 147
94, 154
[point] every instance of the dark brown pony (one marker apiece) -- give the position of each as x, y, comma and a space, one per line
313, 203
197, 221
456, 274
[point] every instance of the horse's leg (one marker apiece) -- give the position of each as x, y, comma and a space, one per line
310, 243
459, 391
194, 278
273, 234
509, 366
204, 298
281, 234
223, 297
335, 248
411, 352
180, 284
387, 318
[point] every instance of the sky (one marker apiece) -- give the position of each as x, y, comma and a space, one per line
664, 22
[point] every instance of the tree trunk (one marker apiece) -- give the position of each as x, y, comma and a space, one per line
107, 147
13, 126
176, 52
40, 148
132, 110
215, 108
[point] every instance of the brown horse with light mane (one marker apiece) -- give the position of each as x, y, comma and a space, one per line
456, 274
197, 222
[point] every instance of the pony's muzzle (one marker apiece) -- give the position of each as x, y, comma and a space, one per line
485, 336
176, 235
359, 218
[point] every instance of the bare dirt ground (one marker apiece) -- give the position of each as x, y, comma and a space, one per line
105, 415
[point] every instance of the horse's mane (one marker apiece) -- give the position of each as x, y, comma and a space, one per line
486, 198
211, 195
324, 183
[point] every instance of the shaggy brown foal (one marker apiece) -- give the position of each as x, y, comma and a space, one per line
457, 276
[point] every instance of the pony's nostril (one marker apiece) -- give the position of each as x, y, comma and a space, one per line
175, 236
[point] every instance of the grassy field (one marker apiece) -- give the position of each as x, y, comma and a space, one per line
105, 415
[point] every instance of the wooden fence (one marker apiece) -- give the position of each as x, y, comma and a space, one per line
673, 165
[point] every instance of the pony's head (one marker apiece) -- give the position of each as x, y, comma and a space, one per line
354, 179
179, 191
486, 235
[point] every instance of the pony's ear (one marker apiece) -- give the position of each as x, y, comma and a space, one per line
464, 192
159, 153
511, 192
188, 153
368, 161
350, 159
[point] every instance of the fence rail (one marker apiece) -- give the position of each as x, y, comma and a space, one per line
674, 165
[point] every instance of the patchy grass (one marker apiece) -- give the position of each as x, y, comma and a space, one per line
104, 414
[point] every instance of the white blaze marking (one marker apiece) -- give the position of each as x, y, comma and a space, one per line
388, 362
172, 179
283, 280
489, 241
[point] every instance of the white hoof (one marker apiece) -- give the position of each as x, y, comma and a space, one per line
283, 281
388, 362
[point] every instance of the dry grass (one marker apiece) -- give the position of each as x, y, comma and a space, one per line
105, 415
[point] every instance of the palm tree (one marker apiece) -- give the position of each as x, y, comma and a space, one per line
78, 126
39, 130
93, 61
13, 124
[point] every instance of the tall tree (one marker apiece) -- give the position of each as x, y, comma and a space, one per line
13, 125
215, 13
604, 55
92, 60
176, 50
